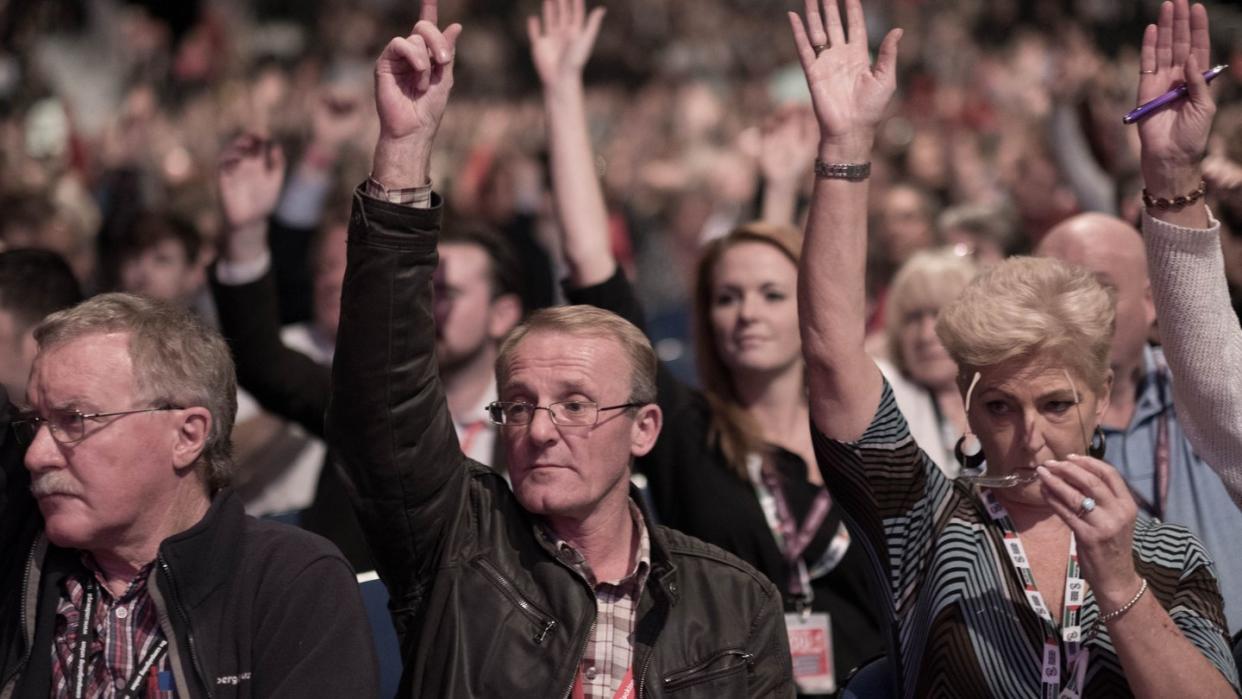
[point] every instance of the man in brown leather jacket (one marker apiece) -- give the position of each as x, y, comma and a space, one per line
562, 586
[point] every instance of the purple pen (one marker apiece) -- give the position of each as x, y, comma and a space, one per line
1144, 110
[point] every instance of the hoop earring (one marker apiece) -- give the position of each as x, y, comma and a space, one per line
966, 443
969, 451
1098, 444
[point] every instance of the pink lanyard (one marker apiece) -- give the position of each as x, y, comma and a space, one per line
1071, 609
796, 538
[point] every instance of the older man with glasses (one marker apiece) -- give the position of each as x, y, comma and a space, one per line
148, 578
562, 586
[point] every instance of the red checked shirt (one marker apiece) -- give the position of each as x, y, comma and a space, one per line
126, 628
610, 650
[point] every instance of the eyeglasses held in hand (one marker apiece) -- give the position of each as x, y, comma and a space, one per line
69, 426
577, 413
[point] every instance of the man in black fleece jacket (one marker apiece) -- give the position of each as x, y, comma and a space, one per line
186, 595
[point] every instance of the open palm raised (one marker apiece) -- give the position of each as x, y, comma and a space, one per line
848, 92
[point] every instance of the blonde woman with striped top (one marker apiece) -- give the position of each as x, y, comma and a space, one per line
1037, 579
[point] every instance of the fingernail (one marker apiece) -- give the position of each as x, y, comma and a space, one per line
444, 56
1042, 471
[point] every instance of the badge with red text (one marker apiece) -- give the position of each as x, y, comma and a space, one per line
810, 646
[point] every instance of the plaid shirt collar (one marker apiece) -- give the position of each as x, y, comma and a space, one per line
609, 652
126, 628
637, 577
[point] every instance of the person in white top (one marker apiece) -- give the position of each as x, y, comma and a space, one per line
1202, 340
920, 370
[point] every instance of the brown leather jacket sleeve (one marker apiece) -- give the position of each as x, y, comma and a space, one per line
388, 419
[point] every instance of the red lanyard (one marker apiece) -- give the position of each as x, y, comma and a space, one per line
1071, 609
470, 432
625, 691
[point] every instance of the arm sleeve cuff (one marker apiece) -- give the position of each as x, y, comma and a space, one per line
238, 273
1167, 235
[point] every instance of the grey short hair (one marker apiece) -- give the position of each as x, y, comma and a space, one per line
177, 359
589, 321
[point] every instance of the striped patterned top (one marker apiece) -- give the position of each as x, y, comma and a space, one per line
960, 620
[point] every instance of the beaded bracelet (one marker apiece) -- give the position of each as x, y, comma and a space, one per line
1176, 202
1105, 618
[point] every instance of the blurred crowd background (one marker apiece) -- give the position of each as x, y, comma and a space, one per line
113, 114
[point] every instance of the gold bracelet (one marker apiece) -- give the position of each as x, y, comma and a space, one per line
1105, 618
1176, 202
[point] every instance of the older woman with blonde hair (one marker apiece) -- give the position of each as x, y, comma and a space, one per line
917, 366
1036, 579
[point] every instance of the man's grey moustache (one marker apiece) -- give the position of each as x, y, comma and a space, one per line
53, 484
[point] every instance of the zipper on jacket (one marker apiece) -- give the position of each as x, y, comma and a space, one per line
189, 633
545, 622
642, 676
22, 604
703, 673
590, 633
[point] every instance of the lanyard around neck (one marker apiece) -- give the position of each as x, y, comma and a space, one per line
1071, 608
86, 635
796, 538
1162, 441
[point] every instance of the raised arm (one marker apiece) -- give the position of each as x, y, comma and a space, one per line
560, 45
284, 381
1173, 143
388, 419
850, 96
1202, 340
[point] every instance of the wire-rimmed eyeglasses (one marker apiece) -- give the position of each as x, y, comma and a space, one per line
578, 413
69, 426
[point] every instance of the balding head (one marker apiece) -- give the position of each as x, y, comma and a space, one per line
1113, 251
1104, 244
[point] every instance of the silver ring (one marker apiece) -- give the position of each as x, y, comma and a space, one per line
820, 48
1147, 72
1088, 504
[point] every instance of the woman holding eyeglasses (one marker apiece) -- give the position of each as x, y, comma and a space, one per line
733, 465
1037, 579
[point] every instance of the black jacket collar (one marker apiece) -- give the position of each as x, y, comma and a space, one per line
203, 555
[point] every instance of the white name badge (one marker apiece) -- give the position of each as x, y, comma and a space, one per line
810, 646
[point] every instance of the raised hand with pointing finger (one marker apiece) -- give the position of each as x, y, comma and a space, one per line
413, 78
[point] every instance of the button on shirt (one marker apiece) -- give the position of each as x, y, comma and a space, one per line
610, 649
1197, 498
126, 628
